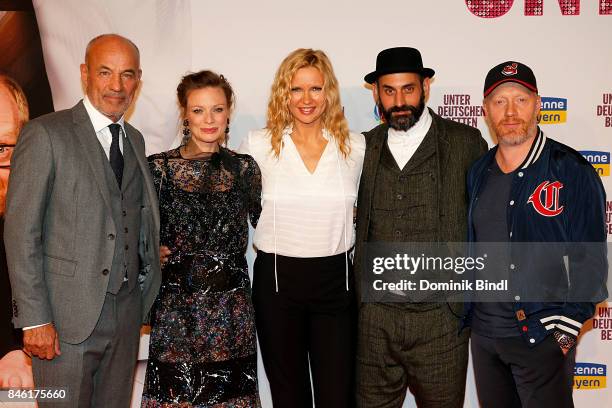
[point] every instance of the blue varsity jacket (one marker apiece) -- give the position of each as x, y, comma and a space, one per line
556, 196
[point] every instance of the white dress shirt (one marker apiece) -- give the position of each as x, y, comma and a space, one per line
100, 124
306, 215
404, 144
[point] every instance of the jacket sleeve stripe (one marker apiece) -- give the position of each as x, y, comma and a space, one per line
574, 323
564, 319
567, 329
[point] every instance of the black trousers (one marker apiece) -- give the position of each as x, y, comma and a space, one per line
510, 374
310, 319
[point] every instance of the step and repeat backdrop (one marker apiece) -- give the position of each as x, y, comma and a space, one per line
566, 43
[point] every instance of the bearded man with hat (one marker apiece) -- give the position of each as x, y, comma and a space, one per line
412, 189
532, 189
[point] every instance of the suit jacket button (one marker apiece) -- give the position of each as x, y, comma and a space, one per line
15, 310
111, 236
105, 272
127, 247
124, 213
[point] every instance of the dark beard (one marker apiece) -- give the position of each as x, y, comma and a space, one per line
406, 121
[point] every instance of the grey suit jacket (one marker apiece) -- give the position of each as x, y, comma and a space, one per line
58, 221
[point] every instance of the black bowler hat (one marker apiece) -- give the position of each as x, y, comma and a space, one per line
398, 59
510, 71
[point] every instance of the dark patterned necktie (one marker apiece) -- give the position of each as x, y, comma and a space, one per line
116, 158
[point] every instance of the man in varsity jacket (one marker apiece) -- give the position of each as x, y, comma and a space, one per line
530, 188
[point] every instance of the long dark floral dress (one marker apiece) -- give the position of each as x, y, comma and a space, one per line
203, 351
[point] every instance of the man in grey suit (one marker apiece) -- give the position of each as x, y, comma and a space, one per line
412, 189
82, 237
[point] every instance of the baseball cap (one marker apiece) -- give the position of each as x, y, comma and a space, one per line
510, 71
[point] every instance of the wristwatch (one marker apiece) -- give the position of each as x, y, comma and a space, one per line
565, 341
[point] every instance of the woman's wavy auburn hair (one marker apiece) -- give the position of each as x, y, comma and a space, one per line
279, 116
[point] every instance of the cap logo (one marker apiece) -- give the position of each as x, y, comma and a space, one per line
510, 70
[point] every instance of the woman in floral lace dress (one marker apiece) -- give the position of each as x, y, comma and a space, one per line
203, 351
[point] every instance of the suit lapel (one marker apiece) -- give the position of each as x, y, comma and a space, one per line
137, 147
92, 150
374, 144
377, 143
442, 140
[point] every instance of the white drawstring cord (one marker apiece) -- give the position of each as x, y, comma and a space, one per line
344, 216
277, 173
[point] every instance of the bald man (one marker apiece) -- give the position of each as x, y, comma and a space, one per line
82, 237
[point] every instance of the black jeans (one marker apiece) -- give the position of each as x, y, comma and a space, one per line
510, 374
310, 319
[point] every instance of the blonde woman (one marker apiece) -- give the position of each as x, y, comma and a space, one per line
303, 282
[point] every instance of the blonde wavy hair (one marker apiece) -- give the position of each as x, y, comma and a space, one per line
279, 116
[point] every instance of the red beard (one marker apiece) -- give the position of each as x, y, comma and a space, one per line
512, 136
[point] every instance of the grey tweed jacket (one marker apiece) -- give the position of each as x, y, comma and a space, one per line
457, 147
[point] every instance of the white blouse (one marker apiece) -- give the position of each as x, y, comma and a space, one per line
306, 215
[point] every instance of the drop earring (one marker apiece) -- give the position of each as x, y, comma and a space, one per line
186, 130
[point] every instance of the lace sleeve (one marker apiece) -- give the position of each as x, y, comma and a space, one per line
252, 176
156, 163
